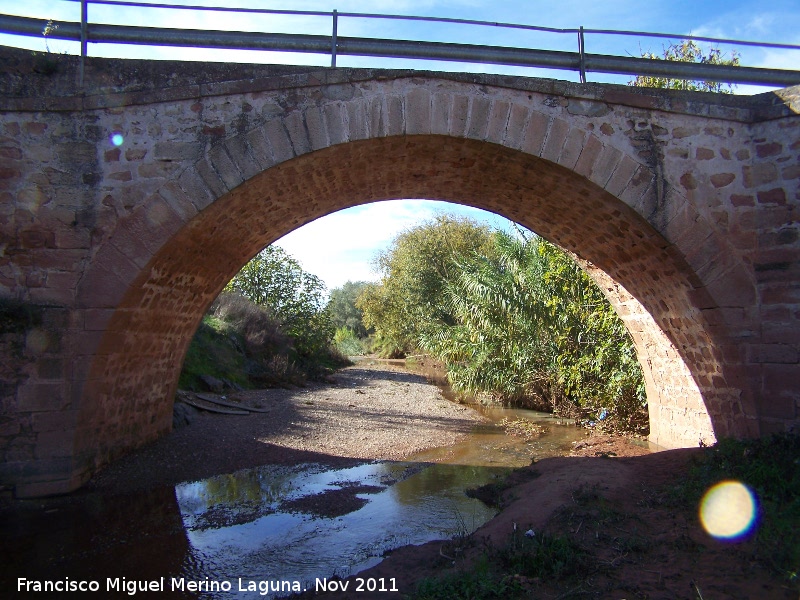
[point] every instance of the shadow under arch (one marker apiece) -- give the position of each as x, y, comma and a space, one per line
128, 395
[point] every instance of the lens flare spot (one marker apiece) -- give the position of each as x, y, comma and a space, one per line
117, 139
728, 510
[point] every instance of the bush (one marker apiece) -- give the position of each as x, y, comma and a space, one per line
347, 343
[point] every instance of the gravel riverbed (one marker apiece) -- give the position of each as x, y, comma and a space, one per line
372, 410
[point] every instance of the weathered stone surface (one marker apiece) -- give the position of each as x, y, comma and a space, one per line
686, 205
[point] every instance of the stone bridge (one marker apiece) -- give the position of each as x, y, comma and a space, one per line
683, 206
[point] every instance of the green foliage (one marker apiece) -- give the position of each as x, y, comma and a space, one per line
414, 273
688, 51
215, 350
297, 299
530, 327
503, 574
343, 310
545, 556
483, 582
347, 342
771, 468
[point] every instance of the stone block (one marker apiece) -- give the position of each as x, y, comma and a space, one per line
172, 194
459, 116
622, 175
278, 140
210, 178
225, 167
317, 132
518, 115
296, 128
334, 119
195, 188
478, 118
555, 140
535, 133
37, 397
260, 148
440, 113
498, 121
356, 120
605, 165
573, 145
418, 111
395, 120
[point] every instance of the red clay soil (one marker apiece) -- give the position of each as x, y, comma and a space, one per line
611, 499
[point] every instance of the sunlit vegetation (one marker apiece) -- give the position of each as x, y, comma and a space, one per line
513, 318
270, 327
688, 51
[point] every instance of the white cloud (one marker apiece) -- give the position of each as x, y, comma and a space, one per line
340, 247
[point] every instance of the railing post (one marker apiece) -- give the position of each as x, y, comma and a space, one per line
582, 51
84, 31
333, 37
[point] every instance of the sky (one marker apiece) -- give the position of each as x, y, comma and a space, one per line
342, 246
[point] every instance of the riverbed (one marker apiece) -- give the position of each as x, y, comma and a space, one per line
325, 484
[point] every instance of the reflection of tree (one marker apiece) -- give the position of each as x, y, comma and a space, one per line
439, 478
250, 486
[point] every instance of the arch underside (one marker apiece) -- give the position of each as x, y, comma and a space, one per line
127, 398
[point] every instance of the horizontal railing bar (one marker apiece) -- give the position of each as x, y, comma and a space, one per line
572, 30
320, 44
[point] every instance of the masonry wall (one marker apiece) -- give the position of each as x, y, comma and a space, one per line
684, 204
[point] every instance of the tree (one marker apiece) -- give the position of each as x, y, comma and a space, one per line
414, 272
274, 279
532, 328
343, 310
688, 51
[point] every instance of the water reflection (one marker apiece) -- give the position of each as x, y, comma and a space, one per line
400, 504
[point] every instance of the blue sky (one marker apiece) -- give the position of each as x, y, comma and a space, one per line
351, 238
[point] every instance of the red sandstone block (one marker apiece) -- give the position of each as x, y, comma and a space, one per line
262, 152
35, 397
276, 135
779, 391
589, 155
573, 145
208, 176
535, 133
195, 188
395, 121
459, 116
440, 114
517, 116
555, 140
296, 127
622, 175
225, 167
606, 164
418, 111
317, 132
356, 120
478, 118
498, 121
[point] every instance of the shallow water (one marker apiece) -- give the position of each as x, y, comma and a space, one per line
272, 523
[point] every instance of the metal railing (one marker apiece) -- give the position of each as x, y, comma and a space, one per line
335, 45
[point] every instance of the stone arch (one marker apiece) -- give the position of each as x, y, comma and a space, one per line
159, 271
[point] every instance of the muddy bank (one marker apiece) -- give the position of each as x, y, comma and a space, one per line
636, 542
